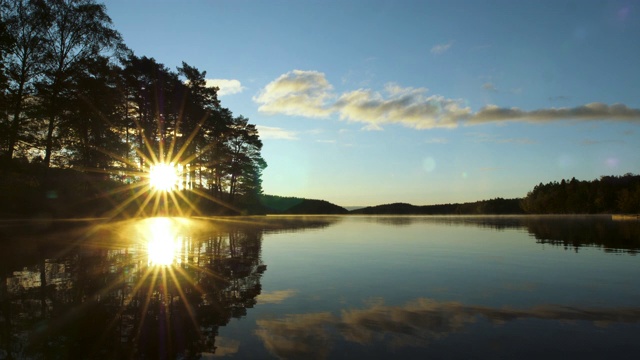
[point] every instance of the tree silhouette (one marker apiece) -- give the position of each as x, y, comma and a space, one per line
76, 106
26, 25
78, 30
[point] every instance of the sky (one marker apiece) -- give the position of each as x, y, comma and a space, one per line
372, 102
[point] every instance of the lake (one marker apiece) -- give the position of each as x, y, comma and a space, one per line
321, 287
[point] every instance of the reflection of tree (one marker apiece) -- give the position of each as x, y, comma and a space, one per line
576, 232
88, 291
570, 231
105, 301
497, 222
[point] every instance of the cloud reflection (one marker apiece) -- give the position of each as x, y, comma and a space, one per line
414, 324
297, 336
275, 297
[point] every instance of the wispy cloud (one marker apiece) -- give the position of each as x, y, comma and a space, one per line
268, 132
372, 127
226, 86
489, 87
592, 111
589, 142
437, 141
309, 94
441, 48
493, 138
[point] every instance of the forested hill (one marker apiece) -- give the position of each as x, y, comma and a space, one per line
292, 205
608, 194
494, 206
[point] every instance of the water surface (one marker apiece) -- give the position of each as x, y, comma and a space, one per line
322, 287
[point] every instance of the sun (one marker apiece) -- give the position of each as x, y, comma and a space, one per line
163, 177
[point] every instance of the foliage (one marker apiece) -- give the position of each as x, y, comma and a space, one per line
494, 206
608, 194
292, 205
73, 96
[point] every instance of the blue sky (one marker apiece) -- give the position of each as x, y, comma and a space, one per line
425, 102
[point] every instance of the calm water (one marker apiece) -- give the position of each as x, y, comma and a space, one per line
321, 288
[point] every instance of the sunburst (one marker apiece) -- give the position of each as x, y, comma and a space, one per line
163, 177
163, 185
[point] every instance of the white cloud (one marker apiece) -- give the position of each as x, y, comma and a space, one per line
407, 106
298, 92
268, 132
226, 86
441, 48
309, 94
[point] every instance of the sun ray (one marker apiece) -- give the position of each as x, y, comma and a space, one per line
193, 134
147, 300
122, 205
176, 203
165, 202
150, 150
183, 296
201, 269
141, 209
188, 202
216, 200
126, 187
175, 130
146, 142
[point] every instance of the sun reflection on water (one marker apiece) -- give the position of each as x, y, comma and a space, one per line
163, 242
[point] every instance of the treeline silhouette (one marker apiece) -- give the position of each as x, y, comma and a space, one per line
494, 206
572, 232
74, 97
272, 204
608, 194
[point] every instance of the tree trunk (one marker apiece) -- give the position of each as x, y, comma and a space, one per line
49, 144
15, 125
